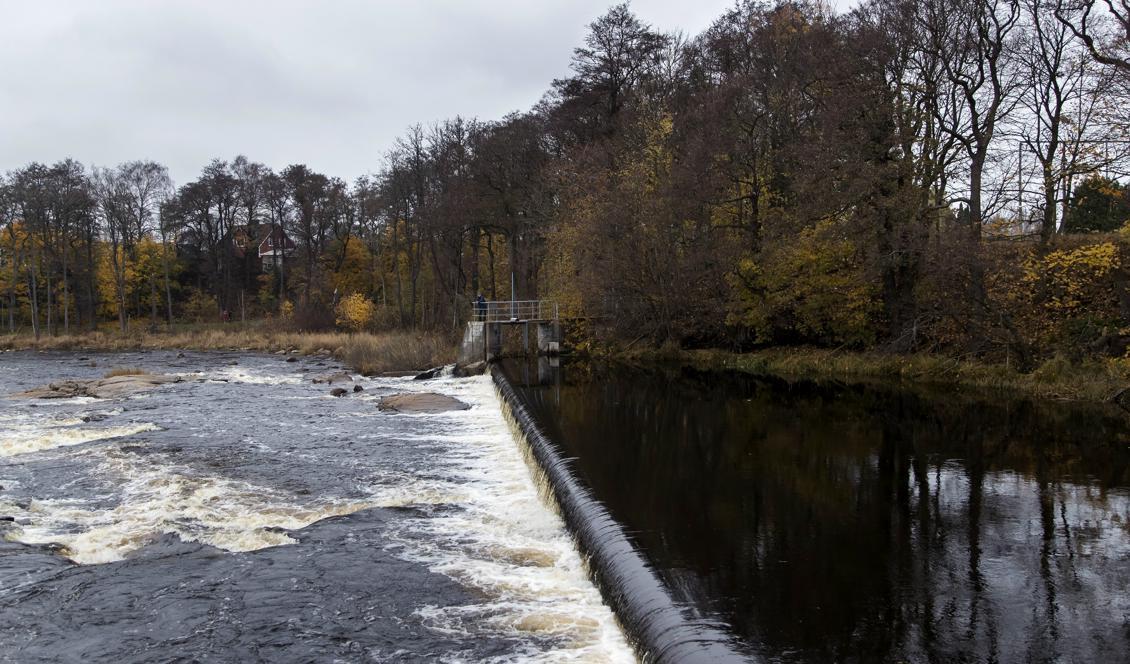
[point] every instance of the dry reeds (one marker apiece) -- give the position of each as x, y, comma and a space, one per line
394, 351
364, 352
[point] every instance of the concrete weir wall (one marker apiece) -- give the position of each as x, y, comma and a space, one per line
659, 629
484, 341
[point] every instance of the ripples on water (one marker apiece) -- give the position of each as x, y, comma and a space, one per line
246, 514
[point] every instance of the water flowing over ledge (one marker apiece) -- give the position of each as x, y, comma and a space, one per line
660, 630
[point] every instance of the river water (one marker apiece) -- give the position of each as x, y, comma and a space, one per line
829, 522
246, 515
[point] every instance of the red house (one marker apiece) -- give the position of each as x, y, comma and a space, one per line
274, 247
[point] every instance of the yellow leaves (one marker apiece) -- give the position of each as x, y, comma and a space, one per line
354, 312
1071, 279
814, 285
658, 152
355, 272
648, 167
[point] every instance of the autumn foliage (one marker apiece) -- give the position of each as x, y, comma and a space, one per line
885, 179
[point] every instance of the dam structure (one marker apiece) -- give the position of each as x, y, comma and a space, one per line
484, 336
658, 627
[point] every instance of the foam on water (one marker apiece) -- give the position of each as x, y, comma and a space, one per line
252, 376
26, 438
478, 518
505, 542
157, 499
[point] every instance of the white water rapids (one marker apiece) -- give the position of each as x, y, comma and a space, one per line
464, 505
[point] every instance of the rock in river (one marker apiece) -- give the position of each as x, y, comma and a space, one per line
421, 402
430, 373
339, 391
472, 369
101, 388
339, 377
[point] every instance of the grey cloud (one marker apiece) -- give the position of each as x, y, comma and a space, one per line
330, 84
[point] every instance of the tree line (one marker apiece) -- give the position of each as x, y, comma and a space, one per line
938, 175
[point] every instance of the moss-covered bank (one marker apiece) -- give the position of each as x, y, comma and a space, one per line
1058, 378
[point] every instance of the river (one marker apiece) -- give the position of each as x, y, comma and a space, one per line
244, 514
819, 522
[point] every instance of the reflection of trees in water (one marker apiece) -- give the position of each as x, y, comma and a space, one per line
839, 522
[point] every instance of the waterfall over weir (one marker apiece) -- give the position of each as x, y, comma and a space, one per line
660, 630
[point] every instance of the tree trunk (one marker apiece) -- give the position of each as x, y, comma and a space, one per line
91, 274
476, 236
168, 286
66, 297
1047, 228
50, 305
976, 174
396, 266
12, 290
153, 302
490, 265
33, 290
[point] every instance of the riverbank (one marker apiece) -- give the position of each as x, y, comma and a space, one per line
365, 353
1058, 378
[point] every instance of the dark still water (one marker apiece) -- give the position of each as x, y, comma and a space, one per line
245, 515
844, 523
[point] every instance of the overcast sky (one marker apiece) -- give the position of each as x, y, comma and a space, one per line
330, 84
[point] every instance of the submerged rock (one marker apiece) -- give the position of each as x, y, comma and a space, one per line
339, 377
339, 391
421, 402
100, 388
292, 359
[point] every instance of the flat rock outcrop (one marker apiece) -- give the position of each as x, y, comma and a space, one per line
421, 402
99, 388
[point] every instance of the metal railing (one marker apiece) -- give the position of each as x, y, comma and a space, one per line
511, 311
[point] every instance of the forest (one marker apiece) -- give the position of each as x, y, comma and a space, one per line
940, 176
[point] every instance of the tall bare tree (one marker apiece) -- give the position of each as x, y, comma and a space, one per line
1103, 26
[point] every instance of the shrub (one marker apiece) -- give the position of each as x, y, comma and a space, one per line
354, 312
312, 316
200, 307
